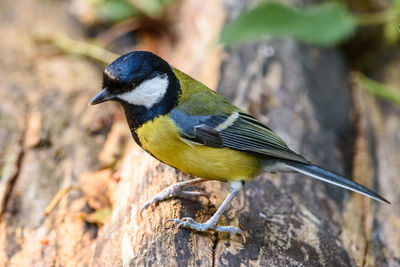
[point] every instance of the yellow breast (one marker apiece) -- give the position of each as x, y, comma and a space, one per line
161, 138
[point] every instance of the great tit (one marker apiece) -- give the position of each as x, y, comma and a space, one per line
183, 123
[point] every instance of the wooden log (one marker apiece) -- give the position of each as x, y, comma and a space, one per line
50, 139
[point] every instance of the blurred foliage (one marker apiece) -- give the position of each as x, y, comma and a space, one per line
115, 10
392, 26
76, 47
377, 88
324, 24
389, 18
112, 11
151, 8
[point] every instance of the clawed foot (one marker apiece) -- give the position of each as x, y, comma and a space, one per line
176, 190
190, 223
173, 191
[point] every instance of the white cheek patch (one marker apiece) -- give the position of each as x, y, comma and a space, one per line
148, 93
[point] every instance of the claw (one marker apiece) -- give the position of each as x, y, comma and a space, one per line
168, 221
145, 206
178, 222
190, 223
175, 190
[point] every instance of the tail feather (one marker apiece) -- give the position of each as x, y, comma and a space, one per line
333, 178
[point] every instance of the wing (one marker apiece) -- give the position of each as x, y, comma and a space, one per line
237, 130
227, 127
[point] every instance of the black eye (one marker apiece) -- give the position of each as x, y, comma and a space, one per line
129, 87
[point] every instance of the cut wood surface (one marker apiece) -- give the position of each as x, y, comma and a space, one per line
51, 139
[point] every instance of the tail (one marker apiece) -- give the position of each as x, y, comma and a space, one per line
333, 178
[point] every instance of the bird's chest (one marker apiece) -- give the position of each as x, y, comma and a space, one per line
160, 138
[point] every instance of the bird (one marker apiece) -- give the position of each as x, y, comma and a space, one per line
184, 124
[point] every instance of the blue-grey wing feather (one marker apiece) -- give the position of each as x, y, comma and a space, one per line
245, 133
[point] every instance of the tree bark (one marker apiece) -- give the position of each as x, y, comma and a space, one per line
50, 139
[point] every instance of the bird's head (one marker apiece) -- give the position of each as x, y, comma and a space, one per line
139, 79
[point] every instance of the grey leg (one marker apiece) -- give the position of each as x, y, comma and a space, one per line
190, 223
175, 190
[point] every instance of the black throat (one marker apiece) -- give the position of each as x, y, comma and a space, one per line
139, 115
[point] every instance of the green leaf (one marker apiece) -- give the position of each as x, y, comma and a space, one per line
378, 89
116, 10
325, 24
391, 31
151, 8
396, 5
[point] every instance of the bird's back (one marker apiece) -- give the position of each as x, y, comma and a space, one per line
198, 100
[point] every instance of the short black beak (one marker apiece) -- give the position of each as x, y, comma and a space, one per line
103, 96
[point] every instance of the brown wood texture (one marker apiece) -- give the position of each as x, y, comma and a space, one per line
51, 139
